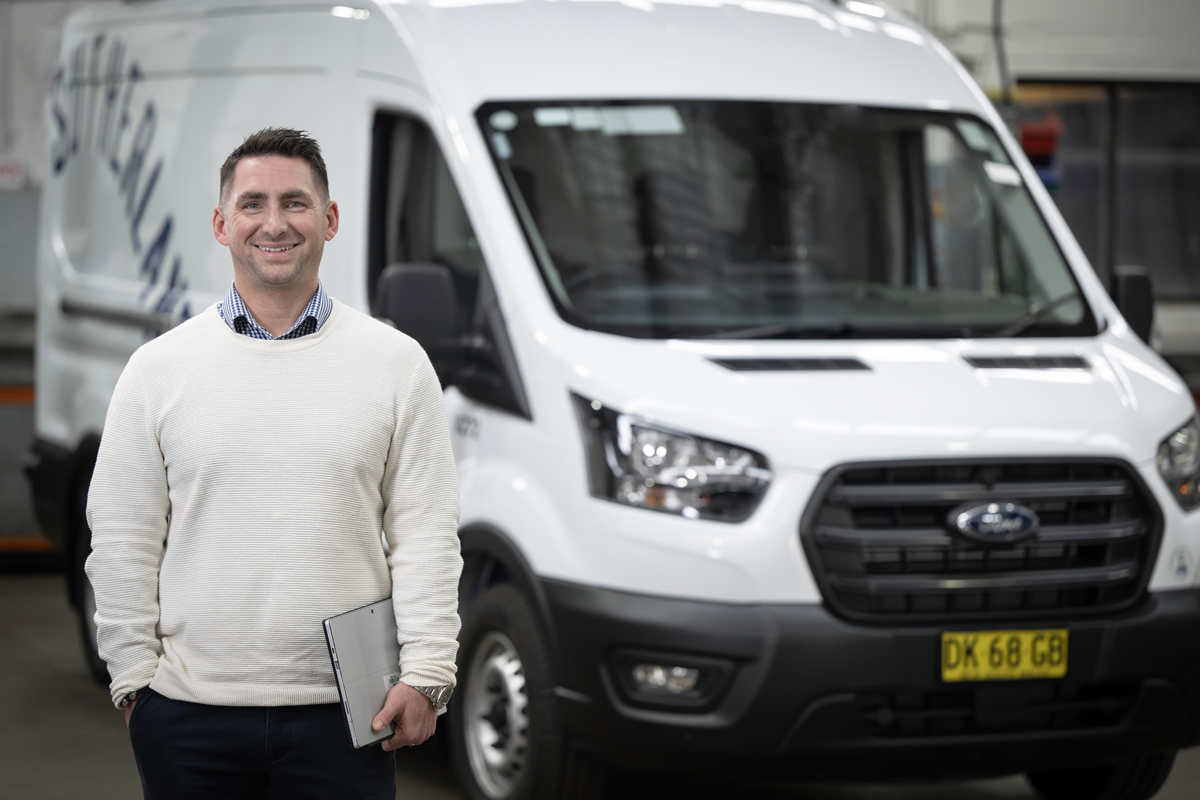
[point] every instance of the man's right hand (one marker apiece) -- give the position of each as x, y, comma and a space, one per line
129, 713
413, 714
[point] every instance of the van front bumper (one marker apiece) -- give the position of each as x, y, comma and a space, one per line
799, 692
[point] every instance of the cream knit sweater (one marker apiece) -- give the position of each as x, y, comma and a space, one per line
238, 500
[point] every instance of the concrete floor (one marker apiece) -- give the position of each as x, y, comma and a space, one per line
61, 738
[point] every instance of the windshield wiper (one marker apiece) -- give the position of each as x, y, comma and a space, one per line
1035, 313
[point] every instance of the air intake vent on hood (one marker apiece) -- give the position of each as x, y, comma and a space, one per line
1027, 362
789, 364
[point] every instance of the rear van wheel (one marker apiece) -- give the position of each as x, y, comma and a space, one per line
506, 740
86, 596
1137, 777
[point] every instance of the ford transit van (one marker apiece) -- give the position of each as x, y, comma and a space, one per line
796, 435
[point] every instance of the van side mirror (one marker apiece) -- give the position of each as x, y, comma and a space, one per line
419, 299
1134, 297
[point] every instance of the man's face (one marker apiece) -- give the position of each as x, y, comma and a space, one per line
274, 221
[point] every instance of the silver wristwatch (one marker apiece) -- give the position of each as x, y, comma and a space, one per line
438, 695
129, 698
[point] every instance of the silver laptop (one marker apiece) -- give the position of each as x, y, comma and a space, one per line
366, 660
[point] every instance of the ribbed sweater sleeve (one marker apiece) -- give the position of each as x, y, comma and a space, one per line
420, 522
128, 508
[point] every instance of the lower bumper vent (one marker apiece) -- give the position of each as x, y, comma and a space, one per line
995, 710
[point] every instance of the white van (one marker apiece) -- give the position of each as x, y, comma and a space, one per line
796, 435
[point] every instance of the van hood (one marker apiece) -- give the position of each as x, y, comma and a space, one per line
1103, 396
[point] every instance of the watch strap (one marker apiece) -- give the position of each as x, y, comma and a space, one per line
438, 695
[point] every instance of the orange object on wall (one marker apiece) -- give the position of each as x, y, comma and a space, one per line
16, 395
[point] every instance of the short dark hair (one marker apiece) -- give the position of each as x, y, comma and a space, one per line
286, 142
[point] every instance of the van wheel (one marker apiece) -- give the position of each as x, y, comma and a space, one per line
86, 597
1137, 777
507, 741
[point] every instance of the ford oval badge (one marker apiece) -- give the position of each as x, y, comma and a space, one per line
995, 523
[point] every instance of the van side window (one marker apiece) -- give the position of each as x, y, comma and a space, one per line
425, 269
453, 241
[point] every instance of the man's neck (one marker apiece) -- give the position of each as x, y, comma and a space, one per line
276, 309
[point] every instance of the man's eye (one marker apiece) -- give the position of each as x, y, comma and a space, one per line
295, 204
252, 206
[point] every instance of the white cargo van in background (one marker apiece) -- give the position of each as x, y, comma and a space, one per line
796, 435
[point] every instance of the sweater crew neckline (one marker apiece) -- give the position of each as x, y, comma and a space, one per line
272, 346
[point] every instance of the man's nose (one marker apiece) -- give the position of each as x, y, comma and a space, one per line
275, 224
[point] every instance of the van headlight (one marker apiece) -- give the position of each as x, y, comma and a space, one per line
1179, 463
638, 463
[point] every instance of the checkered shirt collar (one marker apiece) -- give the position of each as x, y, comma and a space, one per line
240, 320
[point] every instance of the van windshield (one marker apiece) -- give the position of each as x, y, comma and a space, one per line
699, 219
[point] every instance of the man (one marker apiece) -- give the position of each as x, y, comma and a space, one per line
251, 459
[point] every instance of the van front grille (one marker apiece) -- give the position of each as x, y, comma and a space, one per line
882, 547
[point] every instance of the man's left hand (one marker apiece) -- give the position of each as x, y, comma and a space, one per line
413, 714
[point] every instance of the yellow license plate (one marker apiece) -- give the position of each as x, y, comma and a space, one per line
1004, 655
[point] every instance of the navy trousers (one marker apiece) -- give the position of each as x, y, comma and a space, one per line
188, 750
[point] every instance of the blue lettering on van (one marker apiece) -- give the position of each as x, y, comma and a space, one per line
135, 77
58, 156
98, 110
131, 175
176, 286
136, 222
78, 59
97, 46
155, 256
112, 90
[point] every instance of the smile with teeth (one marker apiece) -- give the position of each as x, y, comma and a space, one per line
266, 249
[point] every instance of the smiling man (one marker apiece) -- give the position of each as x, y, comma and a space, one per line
271, 441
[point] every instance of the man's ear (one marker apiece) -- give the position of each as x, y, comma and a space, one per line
332, 218
219, 226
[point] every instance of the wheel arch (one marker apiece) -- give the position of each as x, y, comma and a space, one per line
491, 557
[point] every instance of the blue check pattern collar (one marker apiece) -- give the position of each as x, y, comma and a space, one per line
235, 314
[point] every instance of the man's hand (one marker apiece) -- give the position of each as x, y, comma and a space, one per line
129, 713
411, 711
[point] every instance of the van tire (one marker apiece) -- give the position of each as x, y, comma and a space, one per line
506, 690
1137, 777
86, 596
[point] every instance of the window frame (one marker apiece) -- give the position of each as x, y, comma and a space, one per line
488, 372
